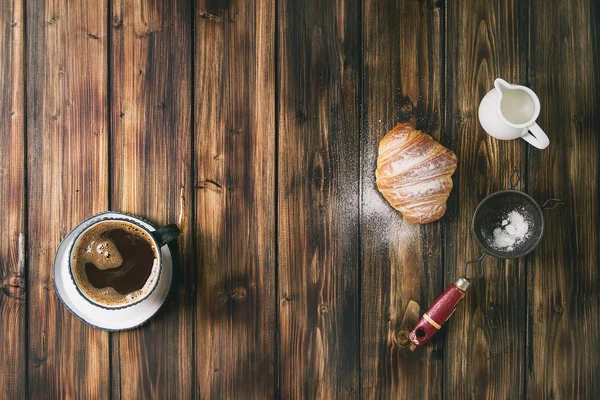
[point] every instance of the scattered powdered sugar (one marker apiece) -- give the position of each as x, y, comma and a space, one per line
514, 229
376, 212
379, 218
383, 223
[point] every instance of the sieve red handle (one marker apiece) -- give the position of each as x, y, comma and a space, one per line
439, 312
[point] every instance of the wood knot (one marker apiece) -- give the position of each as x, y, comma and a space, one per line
401, 331
237, 294
92, 36
401, 338
407, 108
286, 298
14, 286
117, 23
558, 309
464, 119
210, 16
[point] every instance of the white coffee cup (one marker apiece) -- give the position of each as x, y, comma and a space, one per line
157, 239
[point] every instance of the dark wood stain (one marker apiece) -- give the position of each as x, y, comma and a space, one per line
152, 177
319, 45
254, 125
563, 356
485, 343
13, 350
235, 164
402, 263
67, 143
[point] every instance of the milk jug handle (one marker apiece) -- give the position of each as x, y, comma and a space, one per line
539, 138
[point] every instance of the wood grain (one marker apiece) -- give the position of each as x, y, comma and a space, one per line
151, 150
13, 373
67, 164
318, 74
402, 262
485, 341
564, 275
254, 125
235, 184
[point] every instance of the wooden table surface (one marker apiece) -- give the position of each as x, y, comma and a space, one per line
254, 125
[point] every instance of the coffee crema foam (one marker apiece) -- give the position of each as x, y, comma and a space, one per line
120, 258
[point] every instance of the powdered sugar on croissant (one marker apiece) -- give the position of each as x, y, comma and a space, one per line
414, 173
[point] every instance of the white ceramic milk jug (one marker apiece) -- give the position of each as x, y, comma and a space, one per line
509, 112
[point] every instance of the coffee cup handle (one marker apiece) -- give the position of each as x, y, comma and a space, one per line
166, 234
539, 138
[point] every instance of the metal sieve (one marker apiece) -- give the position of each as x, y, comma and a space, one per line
488, 216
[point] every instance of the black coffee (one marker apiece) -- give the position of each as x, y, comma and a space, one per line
115, 262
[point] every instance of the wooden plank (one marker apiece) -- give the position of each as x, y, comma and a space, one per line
13, 372
318, 75
152, 177
235, 159
564, 273
485, 342
402, 262
67, 140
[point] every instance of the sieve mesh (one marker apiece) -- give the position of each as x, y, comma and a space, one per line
493, 210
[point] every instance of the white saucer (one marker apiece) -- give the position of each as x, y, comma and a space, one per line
98, 317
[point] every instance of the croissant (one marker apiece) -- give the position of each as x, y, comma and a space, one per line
414, 173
